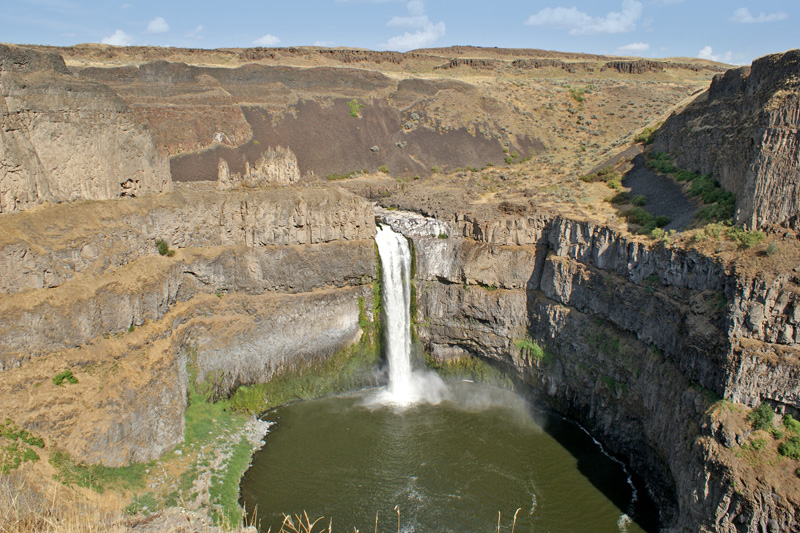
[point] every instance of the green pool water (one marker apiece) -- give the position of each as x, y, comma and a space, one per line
447, 467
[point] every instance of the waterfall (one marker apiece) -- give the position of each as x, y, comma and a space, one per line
406, 386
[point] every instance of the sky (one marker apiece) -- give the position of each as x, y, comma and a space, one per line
730, 31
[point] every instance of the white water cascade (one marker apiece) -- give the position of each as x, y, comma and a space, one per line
406, 386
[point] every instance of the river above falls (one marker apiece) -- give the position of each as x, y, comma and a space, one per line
447, 467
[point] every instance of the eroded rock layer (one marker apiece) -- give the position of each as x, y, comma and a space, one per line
65, 139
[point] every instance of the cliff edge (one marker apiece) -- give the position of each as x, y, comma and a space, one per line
744, 132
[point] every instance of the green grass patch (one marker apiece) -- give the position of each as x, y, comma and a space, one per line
530, 349
98, 478
17, 446
65, 376
225, 489
145, 504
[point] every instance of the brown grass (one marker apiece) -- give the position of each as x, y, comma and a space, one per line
27, 504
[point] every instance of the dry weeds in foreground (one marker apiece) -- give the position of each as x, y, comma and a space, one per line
26, 507
30, 502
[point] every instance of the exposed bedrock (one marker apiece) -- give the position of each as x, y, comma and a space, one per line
260, 280
637, 339
45, 249
744, 131
65, 139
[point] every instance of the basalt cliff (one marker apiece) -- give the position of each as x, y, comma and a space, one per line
174, 221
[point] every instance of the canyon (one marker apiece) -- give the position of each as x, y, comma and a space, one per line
263, 172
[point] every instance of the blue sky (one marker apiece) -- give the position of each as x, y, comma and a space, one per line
734, 31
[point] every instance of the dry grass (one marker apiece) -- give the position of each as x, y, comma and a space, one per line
28, 505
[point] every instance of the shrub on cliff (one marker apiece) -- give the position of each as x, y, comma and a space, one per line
791, 448
761, 417
163, 248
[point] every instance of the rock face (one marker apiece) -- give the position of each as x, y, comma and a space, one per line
260, 280
274, 167
64, 139
744, 132
637, 338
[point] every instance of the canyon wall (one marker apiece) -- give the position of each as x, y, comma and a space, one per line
255, 281
744, 132
65, 139
638, 342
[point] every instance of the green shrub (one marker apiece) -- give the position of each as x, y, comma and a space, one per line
790, 448
662, 220
761, 417
163, 248
647, 136
771, 249
384, 169
746, 239
355, 107
791, 424
67, 376
639, 216
443, 235
435, 170
639, 200
577, 94
620, 198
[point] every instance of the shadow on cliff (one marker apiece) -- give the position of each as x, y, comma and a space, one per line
603, 472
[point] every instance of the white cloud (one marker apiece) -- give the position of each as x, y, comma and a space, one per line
634, 47
267, 40
708, 53
196, 32
120, 38
157, 25
580, 23
421, 31
743, 16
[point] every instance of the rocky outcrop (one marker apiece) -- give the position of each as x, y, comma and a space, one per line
744, 132
640, 66
64, 139
256, 281
274, 167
